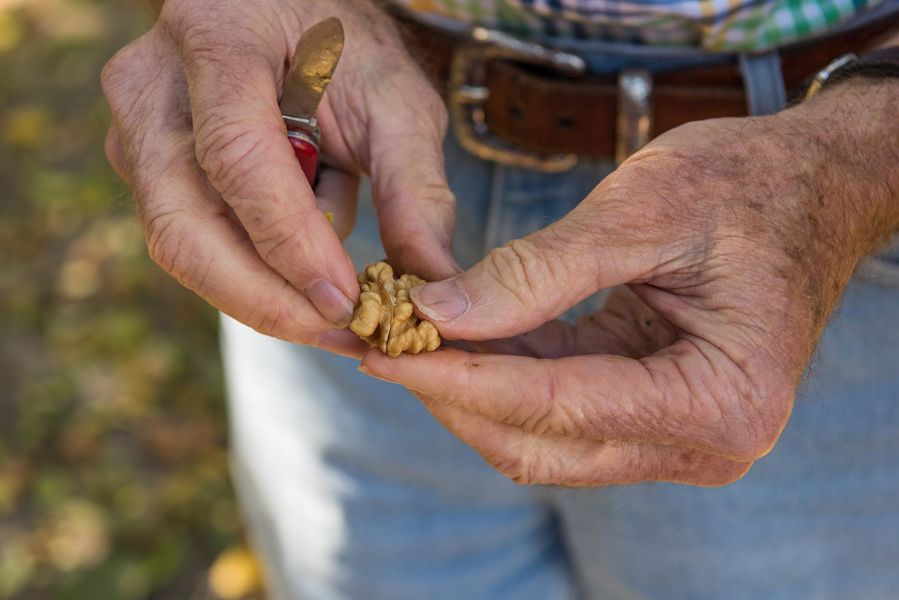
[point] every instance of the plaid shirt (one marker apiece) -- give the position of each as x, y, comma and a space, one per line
712, 24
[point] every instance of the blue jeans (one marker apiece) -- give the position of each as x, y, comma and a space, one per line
352, 490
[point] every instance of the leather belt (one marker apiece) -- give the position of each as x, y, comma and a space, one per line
537, 104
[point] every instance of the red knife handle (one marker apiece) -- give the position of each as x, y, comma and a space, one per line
305, 147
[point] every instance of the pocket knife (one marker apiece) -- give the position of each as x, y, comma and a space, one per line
313, 65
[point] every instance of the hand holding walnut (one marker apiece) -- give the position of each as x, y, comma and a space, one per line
735, 237
197, 132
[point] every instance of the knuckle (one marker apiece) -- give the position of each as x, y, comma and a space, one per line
163, 243
732, 474
166, 246
698, 468
118, 78
554, 413
516, 468
181, 18
140, 83
199, 45
745, 443
758, 428
273, 318
277, 239
268, 322
732, 415
519, 472
112, 74
726, 473
518, 267
771, 421
214, 33
437, 194
541, 422
228, 152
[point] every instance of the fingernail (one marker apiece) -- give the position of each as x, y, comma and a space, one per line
366, 371
330, 302
441, 301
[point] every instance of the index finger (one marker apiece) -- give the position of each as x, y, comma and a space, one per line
243, 149
677, 397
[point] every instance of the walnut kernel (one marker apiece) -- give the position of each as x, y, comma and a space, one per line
385, 316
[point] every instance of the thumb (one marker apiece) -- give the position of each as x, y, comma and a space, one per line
527, 282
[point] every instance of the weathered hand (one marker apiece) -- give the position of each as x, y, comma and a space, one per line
735, 237
198, 134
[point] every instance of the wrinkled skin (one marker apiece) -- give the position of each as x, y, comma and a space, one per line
734, 237
198, 134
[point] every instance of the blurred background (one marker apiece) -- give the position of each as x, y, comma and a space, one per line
113, 469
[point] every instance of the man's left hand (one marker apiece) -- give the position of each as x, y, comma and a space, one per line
735, 238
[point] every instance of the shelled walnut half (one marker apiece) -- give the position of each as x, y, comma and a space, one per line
385, 316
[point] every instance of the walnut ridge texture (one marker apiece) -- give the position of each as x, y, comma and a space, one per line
385, 316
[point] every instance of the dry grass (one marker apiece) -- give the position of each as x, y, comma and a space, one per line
113, 475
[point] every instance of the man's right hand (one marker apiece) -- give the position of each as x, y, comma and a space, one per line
198, 134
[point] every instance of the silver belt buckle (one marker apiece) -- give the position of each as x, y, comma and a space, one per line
468, 93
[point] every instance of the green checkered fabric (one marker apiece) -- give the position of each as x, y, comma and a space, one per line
717, 25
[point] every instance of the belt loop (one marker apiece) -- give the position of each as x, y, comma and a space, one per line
764, 82
634, 122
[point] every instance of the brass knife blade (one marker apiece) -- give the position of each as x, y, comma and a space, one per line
314, 62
